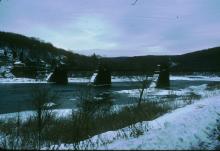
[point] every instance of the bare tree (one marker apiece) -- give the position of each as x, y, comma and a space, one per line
142, 85
18, 125
41, 96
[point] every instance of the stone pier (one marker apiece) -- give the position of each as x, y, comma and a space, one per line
102, 76
59, 76
164, 76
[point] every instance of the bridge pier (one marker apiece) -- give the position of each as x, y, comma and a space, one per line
164, 76
102, 77
59, 76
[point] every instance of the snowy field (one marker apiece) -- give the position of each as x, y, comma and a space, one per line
201, 90
190, 127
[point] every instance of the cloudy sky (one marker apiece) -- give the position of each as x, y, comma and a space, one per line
116, 27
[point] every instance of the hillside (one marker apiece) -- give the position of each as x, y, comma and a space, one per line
206, 60
27, 55
31, 57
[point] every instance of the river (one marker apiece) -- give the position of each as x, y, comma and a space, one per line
17, 96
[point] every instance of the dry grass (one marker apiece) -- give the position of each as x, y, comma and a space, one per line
79, 126
93, 117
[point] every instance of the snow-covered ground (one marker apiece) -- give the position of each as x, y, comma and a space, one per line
24, 115
190, 127
134, 79
114, 79
5, 71
20, 80
195, 78
200, 90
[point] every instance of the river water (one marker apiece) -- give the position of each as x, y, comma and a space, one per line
17, 96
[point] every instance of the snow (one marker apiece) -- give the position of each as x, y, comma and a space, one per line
183, 128
123, 79
93, 77
1, 52
6, 70
172, 77
24, 115
195, 78
155, 92
200, 90
187, 128
154, 81
98, 98
48, 76
133, 79
18, 62
63, 112
70, 80
20, 80
78, 80
49, 104
115, 79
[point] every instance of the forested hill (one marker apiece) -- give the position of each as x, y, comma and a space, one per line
29, 50
204, 60
207, 60
37, 50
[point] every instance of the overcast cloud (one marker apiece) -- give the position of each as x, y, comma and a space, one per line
115, 27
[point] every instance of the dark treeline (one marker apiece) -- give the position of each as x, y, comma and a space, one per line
36, 49
207, 60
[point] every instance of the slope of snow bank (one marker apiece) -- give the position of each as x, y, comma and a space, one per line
185, 128
189, 127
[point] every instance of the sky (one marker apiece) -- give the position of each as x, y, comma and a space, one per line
116, 27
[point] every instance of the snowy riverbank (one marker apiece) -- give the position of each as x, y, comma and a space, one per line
114, 79
190, 127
